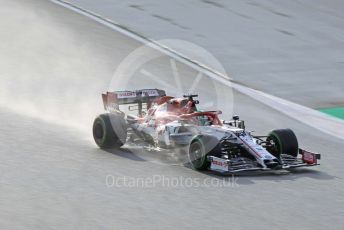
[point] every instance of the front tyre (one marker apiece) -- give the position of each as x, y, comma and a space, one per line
109, 130
197, 156
283, 141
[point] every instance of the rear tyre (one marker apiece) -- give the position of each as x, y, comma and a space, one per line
197, 156
110, 130
284, 141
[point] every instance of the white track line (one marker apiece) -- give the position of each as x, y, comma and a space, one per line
141, 38
313, 118
327, 124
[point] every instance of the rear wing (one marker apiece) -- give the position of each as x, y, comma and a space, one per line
112, 100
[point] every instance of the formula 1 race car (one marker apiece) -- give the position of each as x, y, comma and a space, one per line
210, 143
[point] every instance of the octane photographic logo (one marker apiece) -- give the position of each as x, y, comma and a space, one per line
162, 181
149, 68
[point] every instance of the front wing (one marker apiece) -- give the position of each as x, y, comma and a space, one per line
308, 159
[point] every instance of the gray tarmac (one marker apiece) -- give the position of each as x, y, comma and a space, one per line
53, 66
290, 49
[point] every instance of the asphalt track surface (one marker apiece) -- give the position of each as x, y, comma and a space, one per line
290, 49
54, 65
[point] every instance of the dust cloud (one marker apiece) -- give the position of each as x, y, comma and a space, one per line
47, 70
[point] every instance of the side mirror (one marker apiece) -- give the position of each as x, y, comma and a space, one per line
236, 118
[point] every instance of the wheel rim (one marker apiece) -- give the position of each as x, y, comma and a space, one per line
196, 154
98, 131
276, 148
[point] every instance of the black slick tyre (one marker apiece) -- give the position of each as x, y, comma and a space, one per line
284, 141
109, 130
